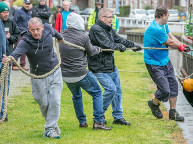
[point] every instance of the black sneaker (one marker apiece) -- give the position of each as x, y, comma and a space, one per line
121, 122
173, 115
155, 109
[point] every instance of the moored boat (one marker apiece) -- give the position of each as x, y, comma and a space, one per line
187, 62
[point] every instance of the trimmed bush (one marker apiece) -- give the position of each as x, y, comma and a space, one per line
124, 11
18, 3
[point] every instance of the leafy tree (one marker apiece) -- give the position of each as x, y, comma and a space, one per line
35, 2
147, 7
18, 3
124, 11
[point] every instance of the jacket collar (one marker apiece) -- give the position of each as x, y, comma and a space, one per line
25, 9
103, 25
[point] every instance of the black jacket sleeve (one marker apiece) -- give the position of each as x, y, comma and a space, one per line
100, 38
126, 43
14, 34
22, 48
54, 32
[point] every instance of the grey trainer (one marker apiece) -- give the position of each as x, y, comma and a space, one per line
51, 133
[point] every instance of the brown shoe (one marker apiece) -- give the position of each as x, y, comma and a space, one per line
83, 125
15, 68
26, 69
100, 126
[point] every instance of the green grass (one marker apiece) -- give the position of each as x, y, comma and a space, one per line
26, 124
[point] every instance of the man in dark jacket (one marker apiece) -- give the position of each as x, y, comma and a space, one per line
103, 66
37, 44
21, 17
42, 11
13, 33
75, 74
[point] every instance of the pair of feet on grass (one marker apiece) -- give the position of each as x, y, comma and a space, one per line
101, 126
173, 114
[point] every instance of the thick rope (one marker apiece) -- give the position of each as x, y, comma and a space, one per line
4, 88
183, 78
4, 79
4, 74
131, 48
81, 48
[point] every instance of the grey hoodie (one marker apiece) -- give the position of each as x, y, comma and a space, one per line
74, 60
40, 53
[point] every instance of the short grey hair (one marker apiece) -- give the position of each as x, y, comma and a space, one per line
103, 11
35, 20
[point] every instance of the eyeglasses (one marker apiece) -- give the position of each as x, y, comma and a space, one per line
110, 17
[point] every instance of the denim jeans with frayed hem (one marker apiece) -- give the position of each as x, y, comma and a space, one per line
113, 92
90, 85
2, 107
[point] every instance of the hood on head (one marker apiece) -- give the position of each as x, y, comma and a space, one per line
75, 21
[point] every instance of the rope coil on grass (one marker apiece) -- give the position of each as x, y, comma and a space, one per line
4, 88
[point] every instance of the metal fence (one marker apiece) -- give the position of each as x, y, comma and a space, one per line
133, 23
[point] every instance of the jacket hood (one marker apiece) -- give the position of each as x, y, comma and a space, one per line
75, 21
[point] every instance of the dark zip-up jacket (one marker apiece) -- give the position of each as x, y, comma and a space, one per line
40, 53
21, 18
104, 36
43, 12
14, 34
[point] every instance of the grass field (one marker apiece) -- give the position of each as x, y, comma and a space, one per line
26, 124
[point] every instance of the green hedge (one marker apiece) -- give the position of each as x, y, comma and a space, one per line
124, 11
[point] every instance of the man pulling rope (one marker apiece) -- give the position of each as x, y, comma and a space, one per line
37, 44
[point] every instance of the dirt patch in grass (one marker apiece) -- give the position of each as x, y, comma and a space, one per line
165, 115
178, 138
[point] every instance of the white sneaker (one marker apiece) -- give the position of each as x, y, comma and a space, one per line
51, 133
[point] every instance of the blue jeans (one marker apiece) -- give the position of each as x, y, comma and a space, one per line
90, 85
113, 92
2, 107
